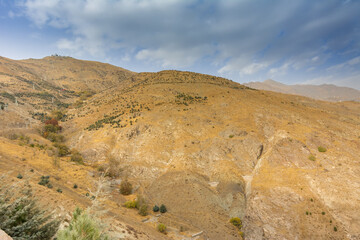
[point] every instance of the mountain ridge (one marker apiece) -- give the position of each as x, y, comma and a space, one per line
327, 92
208, 148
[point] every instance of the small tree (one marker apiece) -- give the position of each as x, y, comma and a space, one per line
82, 227
163, 208
156, 208
21, 217
125, 187
143, 210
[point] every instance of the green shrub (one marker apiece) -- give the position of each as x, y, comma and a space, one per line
131, 204
231, 136
236, 222
323, 213
125, 187
335, 229
22, 218
163, 208
156, 208
143, 210
75, 186
82, 227
59, 190
51, 128
19, 176
321, 149
44, 180
161, 228
312, 158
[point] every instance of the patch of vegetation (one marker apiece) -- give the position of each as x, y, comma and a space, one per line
335, 229
75, 186
8, 96
143, 210
186, 99
63, 150
161, 227
76, 157
236, 222
322, 149
22, 218
312, 158
131, 204
156, 208
54, 137
125, 187
323, 213
44, 180
19, 176
163, 208
59, 190
231, 136
83, 226
42, 95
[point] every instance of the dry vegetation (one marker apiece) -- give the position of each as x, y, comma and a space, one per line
227, 161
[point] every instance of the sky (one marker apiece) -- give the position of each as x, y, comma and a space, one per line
293, 42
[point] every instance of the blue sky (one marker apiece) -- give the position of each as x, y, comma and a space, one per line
295, 41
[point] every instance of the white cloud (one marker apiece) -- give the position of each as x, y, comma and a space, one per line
241, 38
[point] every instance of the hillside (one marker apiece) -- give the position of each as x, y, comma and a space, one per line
206, 147
326, 92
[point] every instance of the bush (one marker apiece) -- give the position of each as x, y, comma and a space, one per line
76, 157
63, 150
21, 217
236, 222
59, 190
125, 187
52, 121
156, 208
335, 229
312, 158
131, 204
321, 149
75, 186
54, 137
82, 227
161, 228
143, 210
44, 180
163, 208
19, 176
50, 128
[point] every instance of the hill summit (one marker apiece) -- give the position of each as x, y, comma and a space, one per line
226, 161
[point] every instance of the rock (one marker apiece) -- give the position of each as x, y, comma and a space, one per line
4, 236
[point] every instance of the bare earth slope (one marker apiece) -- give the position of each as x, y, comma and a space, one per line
327, 92
211, 149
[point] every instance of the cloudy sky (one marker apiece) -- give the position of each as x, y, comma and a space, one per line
297, 41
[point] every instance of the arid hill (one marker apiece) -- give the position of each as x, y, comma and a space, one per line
326, 92
206, 147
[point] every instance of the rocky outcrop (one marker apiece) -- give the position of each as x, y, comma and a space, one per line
4, 236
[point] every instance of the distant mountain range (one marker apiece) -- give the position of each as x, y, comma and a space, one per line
327, 92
